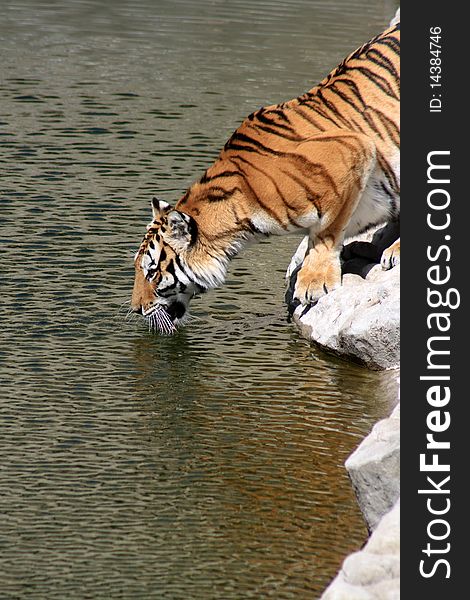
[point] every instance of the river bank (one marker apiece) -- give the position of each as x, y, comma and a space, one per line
360, 321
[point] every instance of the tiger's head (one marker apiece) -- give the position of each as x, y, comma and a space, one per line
164, 281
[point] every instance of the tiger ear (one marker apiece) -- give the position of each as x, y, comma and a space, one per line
181, 230
159, 207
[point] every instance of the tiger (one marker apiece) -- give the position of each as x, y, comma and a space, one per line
326, 163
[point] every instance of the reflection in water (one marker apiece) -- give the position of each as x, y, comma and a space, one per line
256, 459
209, 464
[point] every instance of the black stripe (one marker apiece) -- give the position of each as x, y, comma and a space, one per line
171, 269
387, 40
182, 267
237, 141
390, 42
280, 194
193, 231
368, 118
274, 130
307, 117
218, 194
307, 102
378, 80
297, 158
184, 199
331, 106
390, 127
347, 99
262, 117
392, 199
389, 173
310, 193
206, 177
255, 196
382, 61
280, 113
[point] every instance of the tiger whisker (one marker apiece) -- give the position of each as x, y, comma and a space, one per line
159, 320
165, 323
188, 318
122, 305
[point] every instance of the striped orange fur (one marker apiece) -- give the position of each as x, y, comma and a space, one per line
326, 162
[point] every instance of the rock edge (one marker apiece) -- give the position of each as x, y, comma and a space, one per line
373, 573
361, 319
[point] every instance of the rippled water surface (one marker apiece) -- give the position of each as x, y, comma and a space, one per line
209, 464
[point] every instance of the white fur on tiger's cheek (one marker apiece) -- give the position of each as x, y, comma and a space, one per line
145, 263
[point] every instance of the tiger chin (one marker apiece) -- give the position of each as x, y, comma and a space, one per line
325, 163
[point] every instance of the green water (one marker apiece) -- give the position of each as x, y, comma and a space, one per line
210, 464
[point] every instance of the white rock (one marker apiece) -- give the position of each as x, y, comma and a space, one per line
373, 573
361, 319
374, 469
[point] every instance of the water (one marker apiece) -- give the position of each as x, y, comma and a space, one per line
209, 464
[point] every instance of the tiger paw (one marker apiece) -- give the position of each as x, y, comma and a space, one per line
319, 275
391, 256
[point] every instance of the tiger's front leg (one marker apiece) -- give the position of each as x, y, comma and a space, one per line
320, 272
